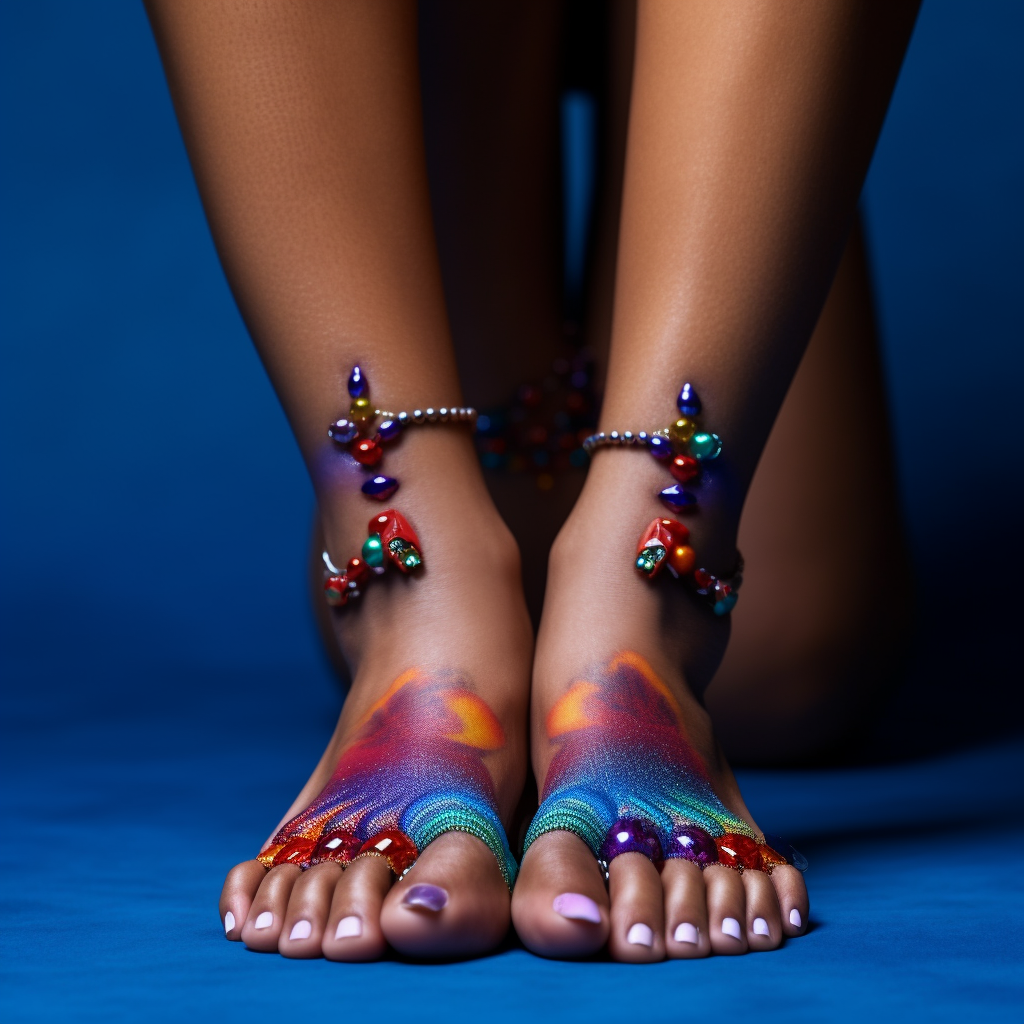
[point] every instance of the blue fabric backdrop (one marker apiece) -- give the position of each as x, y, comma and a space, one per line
163, 694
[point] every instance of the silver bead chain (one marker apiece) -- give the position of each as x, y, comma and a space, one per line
613, 438
445, 414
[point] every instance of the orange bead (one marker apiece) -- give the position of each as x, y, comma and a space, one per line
682, 558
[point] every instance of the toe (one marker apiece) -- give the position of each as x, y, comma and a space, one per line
793, 901
727, 910
306, 917
686, 910
353, 928
262, 927
560, 905
764, 918
237, 895
638, 910
454, 901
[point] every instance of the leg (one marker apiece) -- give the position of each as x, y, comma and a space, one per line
751, 129
304, 127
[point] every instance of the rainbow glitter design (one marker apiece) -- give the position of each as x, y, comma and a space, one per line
414, 772
626, 778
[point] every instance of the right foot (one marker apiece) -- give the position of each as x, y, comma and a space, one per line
431, 741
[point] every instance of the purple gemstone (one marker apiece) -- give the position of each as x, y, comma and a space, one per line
693, 843
688, 402
660, 447
380, 487
631, 835
344, 431
429, 897
389, 430
677, 499
357, 385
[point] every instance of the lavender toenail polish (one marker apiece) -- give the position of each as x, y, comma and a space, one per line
795, 919
265, 920
301, 930
640, 935
731, 927
349, 928
429, 897
577, 907
686, 933
229, 922
761, 926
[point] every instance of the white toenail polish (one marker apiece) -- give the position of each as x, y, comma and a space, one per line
265, 920
795, 919
731, 927
640, 935
349, 928
686, 933
761, 926
301, 930
229, 922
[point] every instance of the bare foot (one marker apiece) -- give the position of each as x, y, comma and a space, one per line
630, 762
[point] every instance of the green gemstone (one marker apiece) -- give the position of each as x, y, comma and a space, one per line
373, 551
406, 553
648, 559
704, 445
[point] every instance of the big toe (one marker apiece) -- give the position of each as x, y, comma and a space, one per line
454, 902
560, 906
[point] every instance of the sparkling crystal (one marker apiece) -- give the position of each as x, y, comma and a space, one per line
380, 487
344, 431
357, 385
677, 499
688, 403
693, 843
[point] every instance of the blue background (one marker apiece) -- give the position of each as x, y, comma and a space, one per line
163, 693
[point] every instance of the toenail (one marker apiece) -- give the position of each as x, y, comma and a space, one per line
429, 897
577, 907
229, 921
761, 926
349, 928
686, 933
730, 926
640, 935
302, 930
795, 919
265, 920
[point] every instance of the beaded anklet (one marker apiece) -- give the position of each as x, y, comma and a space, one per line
685, 447
390, 535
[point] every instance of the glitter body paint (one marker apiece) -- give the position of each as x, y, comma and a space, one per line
622, 753
414, 771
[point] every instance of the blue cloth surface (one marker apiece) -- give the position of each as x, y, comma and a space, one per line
163, 694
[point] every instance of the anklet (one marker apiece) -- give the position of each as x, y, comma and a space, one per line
664, 542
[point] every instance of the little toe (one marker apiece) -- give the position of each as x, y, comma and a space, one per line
727, 910
560, 905
764, 918
262, 927
353, 931
308, 907
792, 895
686, 910
454, 901
237, 895
638, 910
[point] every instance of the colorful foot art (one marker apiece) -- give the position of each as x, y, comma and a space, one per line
626, 779
415, 771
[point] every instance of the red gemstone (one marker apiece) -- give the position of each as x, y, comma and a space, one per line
367, 452
684, 468
337, 845
296, 851
397, 527
739, 851
703, 578
675, 530
336, 590
395, 847
357, 571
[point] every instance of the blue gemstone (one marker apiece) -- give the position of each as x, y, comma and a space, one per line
791, 853
380, 487
688, 402
677, 499
389, 430
344, 431
660, 447
357, 385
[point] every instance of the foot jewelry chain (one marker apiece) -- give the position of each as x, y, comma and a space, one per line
685, 447
390, 535
625, 779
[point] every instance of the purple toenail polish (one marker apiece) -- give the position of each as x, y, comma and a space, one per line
229, 921
265, 920
731, 927
686, 933
640, 935
349, 928
761, 926
795, 919
429, 897
577, 907
301, 930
